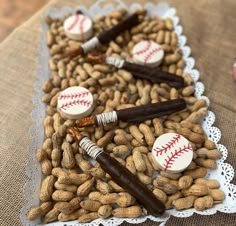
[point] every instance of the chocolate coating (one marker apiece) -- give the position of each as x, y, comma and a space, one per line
154, 74
109, 35
131, 183
150, 111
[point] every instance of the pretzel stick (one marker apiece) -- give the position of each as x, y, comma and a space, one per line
105, 37
152, 74
120, 174
134, 114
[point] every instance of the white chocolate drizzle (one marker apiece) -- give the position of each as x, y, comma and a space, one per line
115, 61
106, 117
91, 148
90, 44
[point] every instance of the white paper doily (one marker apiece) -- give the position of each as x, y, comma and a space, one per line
224, 172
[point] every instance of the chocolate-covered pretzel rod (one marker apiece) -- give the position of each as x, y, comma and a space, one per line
155, 75
120, 174
106, 36
152, 74
134, 114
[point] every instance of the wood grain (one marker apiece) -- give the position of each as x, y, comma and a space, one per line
15, 12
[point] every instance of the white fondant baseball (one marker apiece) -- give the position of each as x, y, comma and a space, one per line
78, 27
172, 152
148, 52
75, 102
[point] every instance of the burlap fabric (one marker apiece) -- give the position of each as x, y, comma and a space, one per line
210, 28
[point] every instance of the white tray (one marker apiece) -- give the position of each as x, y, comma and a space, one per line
224, 172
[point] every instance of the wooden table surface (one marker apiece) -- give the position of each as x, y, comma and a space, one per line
15, 12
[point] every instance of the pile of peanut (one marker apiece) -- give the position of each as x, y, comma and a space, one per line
74, 187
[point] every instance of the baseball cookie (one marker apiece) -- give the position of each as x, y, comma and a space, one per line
148, 52
75, 102
78, 27
172, 152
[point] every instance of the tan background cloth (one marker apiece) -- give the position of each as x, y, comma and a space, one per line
9, 18
210, 29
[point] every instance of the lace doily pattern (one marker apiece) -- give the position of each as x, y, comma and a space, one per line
224, 172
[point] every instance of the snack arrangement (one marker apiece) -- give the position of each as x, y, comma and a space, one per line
126, 114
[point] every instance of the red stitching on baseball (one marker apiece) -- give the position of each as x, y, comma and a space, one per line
169, 144
81, 25
145, 49
67, 105
173, 157
74, 22
73, 95
151, 53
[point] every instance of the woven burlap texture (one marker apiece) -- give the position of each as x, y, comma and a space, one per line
209, 27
